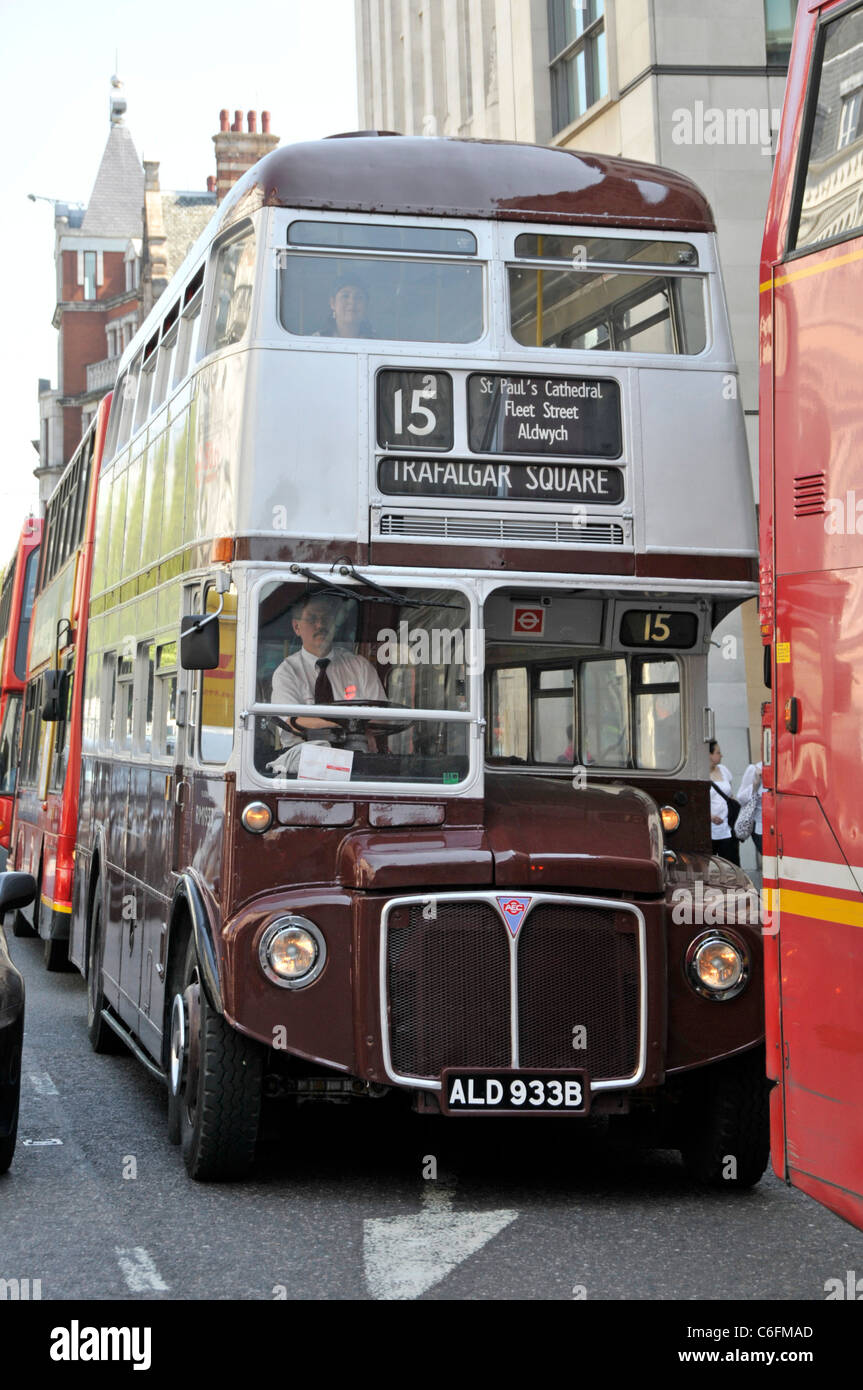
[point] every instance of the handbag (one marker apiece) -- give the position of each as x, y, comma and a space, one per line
745, 823
734, 807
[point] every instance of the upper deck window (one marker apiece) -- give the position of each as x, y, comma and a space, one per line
235, 270
604, 250
378, 236
569, 297
27, 597
829, 206
395, 299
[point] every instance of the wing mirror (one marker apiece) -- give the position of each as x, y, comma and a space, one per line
55, 693
16, 891
199, 633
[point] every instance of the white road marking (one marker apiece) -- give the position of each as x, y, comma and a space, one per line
42, 1083
138, 1270
40, 1143
406, 1255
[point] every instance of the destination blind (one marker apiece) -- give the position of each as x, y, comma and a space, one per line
538, 482
517, 414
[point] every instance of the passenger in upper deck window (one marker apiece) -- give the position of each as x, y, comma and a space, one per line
349, 302
318, 673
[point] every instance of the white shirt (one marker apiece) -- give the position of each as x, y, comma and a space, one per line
745, 793
351, 678
718, 804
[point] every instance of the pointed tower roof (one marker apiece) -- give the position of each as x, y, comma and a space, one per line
117, 200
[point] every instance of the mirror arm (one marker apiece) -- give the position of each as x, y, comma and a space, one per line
208, 617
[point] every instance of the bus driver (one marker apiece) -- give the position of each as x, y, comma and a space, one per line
317, 674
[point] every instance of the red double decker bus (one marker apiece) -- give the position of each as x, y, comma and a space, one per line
46, 804
812, 612
16, 607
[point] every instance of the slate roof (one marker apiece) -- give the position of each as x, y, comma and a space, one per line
117, 200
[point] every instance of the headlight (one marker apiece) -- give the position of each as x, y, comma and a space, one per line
292, 952
717, 966
257, 817
670, 819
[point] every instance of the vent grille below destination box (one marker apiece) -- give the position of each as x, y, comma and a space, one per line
455, 527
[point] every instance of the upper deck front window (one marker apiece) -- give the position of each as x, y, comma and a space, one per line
393, 297
607, 294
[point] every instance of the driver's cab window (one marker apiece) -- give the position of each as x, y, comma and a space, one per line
396, 652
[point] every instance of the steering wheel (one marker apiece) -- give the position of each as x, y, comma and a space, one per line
382, 728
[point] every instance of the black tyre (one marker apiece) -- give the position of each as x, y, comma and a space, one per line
215, 1077
20, 925
725, 1141
7, 1145
56, 955
102, 1037
10, 1094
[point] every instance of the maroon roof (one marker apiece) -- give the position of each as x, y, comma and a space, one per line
409, 176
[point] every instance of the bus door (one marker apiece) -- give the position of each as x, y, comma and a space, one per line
817, 848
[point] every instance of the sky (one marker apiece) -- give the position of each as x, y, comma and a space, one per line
181, 64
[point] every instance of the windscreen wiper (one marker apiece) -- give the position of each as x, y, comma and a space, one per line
390, 595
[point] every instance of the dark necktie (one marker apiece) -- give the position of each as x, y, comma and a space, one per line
323, 689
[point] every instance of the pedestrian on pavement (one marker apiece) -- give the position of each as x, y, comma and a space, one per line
723, 841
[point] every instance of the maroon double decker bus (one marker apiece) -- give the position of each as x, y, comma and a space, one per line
395, 716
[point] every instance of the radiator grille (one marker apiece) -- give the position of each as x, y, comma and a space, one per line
579, 968
448, 989
558, 530
810, 494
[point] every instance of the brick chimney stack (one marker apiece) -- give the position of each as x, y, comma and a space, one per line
237, 149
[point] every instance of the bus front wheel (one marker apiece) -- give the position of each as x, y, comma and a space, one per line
215, 1084
725, 1135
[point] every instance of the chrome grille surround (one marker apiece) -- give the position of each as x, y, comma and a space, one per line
490, 899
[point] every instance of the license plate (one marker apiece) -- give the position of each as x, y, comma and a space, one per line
514, 1093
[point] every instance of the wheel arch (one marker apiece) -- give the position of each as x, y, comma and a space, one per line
189, 899
95, 873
